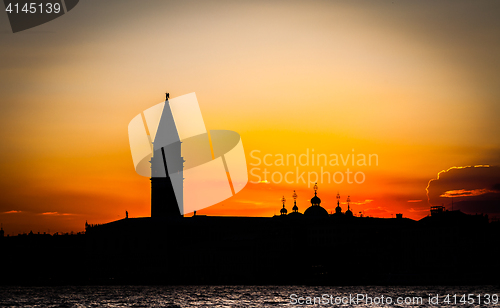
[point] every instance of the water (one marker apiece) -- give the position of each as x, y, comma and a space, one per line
234, 296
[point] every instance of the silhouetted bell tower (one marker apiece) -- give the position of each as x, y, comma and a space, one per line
166, 168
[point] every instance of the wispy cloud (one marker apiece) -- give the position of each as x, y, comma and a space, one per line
249, 202
358, 202
377, 210
56, 214
466, 193
12, 212
416, 211
414, 201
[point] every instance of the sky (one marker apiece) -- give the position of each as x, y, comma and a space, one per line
413, 82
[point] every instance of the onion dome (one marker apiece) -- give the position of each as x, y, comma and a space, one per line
315, 200
348, 212
295, 208
338, 209
315, 209
283, 211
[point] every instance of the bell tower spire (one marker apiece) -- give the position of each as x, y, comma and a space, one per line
166, 161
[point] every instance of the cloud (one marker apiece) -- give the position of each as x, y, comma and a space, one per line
249, 202
358, 202
56, 214
376, 210
12, 212
418, 210
414, 201
465, 175
472, 189
466, 193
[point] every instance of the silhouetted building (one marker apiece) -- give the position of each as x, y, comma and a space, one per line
316, 210
441, 216
338, 209
283, 211
436, 210
348, 213
245, 250
295, 210
166, 160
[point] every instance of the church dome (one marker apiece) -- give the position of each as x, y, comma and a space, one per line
295, 209
348, 213
283, 211
316, 211
315, 200
295, 214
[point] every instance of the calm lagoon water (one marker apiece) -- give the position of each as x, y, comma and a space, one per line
241, 296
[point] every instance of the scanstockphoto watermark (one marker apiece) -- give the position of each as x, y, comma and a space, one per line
354, 299
310, 167
484, 299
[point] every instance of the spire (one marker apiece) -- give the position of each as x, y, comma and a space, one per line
166, 191
283, 211
348, 212
338, 209
295, 208
315, 200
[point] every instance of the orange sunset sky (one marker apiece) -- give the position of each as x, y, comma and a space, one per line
414, 82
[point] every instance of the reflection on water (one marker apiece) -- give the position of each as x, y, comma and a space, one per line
226, 296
